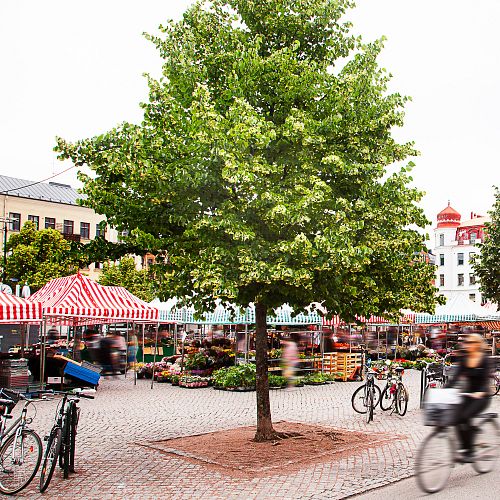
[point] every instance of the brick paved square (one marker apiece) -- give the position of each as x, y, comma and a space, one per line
233, 451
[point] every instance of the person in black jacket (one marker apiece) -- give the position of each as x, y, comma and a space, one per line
473, 373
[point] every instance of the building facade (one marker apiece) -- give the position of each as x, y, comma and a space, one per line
50, 205
455, 245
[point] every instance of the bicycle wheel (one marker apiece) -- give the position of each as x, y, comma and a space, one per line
386, 398
19, 461
74, 417
358, 398
64, 453
401, 399
486, 446
369, 404
435, 459
50, 459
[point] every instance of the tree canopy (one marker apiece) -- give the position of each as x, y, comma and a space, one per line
260, 166
36, 257
125, 274
487, 265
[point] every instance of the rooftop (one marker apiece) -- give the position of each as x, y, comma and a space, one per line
476, 221
44, 191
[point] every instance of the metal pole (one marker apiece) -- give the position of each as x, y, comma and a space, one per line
175, 339
43, 328
154, 356
126, 349
246, 342
143, 327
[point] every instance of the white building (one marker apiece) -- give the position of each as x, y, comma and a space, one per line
455, 244
50, 205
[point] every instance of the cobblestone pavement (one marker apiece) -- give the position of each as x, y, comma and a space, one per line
112, 461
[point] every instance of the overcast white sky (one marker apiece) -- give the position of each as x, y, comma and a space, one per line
74, 68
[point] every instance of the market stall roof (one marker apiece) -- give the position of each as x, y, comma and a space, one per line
14, 309
78, 300
226, 316
407, 317
457, 308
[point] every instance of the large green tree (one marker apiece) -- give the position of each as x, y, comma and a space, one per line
138, 282
487, 264
36, 257
260, 167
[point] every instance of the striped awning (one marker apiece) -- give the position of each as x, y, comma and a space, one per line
223, 316
79, 300
406, 319
14, 309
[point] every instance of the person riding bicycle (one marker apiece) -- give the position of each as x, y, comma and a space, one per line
474, 372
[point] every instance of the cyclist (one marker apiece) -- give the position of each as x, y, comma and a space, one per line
474, 372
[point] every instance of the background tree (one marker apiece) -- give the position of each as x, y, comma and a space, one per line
37, 257
125, 274
487, 264
261, 166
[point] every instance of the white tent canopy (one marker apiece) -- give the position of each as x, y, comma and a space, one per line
457, 308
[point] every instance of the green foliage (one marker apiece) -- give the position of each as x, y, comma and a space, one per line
487, 265
316, 378
125, 274
235, 376
196, 361
261, 165
37, 257
277, 381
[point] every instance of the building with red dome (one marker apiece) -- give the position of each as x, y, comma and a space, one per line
455, 246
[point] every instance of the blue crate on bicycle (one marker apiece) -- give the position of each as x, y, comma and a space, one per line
80, 372
440, 407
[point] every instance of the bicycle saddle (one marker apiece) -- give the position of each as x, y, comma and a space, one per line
399, 369
487, 415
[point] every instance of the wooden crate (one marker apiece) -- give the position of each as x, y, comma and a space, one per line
344, 363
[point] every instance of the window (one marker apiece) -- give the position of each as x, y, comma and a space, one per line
471, 256
15, 223
122, 235
441, 280
472, 296
441, 240
85, 230
460, 280
36, 220
473, 237
100, 229
68, 227
472, 279
50, 223
441, 259
460, 259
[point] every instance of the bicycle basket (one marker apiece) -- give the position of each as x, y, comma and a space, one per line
436, 369
440, 407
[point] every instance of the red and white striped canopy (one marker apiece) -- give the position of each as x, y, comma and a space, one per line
14, 309
85, 301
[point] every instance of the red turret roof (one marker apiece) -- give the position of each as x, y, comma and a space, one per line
448, 217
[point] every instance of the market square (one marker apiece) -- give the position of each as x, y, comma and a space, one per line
250, 249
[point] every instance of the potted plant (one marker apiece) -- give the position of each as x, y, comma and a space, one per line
277, 382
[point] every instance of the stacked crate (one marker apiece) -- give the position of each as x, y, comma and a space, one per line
14, 374
343, 363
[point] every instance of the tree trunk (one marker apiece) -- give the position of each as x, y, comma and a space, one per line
265, 429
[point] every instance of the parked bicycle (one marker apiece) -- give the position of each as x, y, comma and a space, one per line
436, 373
495, 382
20, 446
395, 395
438, 454
61, 442
366, 397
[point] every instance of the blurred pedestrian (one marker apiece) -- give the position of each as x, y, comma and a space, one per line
473, 376
290, 356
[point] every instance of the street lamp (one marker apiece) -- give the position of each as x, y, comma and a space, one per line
5, 221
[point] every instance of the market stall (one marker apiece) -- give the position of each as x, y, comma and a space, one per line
77, 300
16, 310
